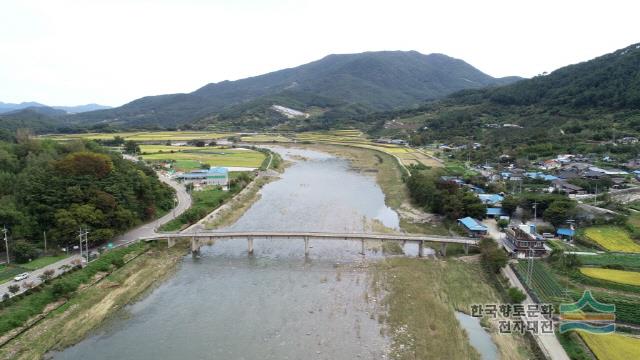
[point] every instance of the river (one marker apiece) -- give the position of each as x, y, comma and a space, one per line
276, 304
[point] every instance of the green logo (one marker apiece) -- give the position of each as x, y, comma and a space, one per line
588, 314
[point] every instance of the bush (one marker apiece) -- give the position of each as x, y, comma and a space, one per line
516, 295
24, 251
64, 287
493, 258
13, 288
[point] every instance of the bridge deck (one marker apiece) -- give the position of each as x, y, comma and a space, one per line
319, 235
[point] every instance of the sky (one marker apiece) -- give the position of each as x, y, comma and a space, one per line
111, 52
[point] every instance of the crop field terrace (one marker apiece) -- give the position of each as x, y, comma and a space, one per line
543, 282
187, 158
145, 136
612, 238
614, 346
618, 276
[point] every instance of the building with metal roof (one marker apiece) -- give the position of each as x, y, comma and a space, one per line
473, 227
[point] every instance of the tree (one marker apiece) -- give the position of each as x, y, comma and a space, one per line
5, 296
47, 275
516, 295
131, 147
559, 211
510, 204
14, 288
493, 257
503, 223
24, 251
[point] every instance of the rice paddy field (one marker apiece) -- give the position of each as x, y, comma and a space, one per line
614, 346
187, 158
618, 276
145, 136
405, 155
612, 238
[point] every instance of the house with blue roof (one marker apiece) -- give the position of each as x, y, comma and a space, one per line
495, 212
473, 227
566, 233
490, 199
212, 176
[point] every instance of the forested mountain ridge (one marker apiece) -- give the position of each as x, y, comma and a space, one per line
57, 187
351, 84
596, 100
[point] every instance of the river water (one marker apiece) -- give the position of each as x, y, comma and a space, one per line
276, 304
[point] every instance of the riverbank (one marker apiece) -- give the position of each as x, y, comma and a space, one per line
420, 298
388, 174
91, 305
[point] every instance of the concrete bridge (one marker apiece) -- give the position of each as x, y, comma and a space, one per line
204, 238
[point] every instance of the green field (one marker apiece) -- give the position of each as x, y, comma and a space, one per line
543, 282
629, 261
42, 262
190, 157
145, 136
612, 238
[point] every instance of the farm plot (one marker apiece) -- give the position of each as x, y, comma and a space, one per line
189, 158
627, 261
612, 238
617, 276
612, 346
145, 136
543, 283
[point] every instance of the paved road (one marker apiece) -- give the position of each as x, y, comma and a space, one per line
33, 275
549, 343
149, 229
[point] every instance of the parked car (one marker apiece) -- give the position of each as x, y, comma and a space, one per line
20, 277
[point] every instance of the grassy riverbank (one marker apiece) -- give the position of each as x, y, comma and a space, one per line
91, 305
420, 298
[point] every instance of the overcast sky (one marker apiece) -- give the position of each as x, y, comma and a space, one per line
112, 52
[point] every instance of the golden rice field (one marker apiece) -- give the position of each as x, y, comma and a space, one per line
618, 276
612, 346
145, 136
612, 238
265, 138
189, 157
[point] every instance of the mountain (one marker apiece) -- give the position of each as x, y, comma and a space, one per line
7, 107
37, 118
594, 101
329, 88
82, 108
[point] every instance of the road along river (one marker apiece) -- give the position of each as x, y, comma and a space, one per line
275, 304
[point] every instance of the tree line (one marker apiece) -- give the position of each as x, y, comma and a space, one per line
56, 187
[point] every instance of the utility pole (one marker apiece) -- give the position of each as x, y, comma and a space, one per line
44, 233
6, 242
83, 235
535, 212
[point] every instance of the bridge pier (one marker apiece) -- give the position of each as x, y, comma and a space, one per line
171, 242
306, 246
195, 247
443, 249
250, 245
420, 249
466, 249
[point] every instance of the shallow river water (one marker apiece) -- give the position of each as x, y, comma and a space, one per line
275, 304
